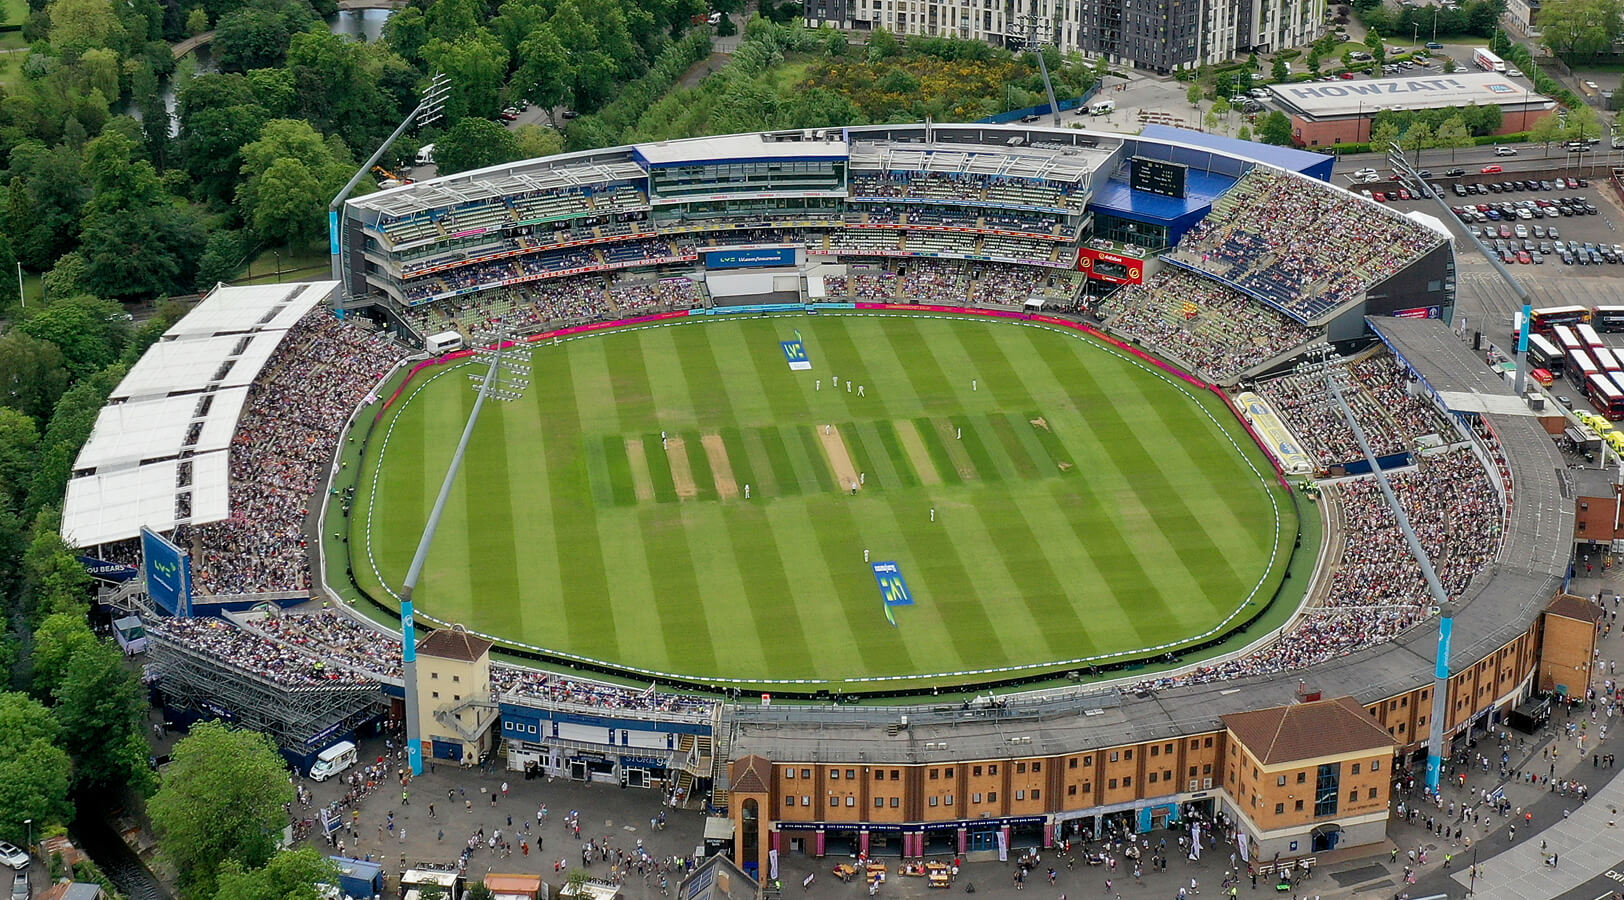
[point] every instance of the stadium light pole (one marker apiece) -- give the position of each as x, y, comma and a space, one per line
1446, 621
490, 385
1035, 43
427, 113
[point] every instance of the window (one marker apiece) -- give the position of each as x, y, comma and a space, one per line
851, 774
1127, 755
992, 796
1327, 784
1037, 794
1355, 769
806, 800
933, 801
1371, 795
1281, 781
1088, 760
1302, 777
1037, 767
1113, 756
1299, 806
1353, 796
975, 798
1153, 776
1088, 787
1375, 765
1155, 750
789, 773
1020, 795
879, 802
456, 678
895, 801
1195, 743
851, 801
1020, 768
1279, 809
948, 773
1071, 763
834, 802
934, 773
992, 769
896, 774
879, 774
789, 801
1207, 743
434, 676
1127, 781
834, 774
976, 771
1111, 785
436, 695
1071, 790
948, 800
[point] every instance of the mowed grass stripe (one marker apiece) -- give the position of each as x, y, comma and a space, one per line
1010, 597
744, 470
630, 582
912, 349
659, 469
757, 558
611, 451
444, 591
1015, 452
490, 550
699, 466
581, 584
893, 453
1039, 564
870, 455
776, 458
688, 634
986, 466
816, 460
974, 349
873, 480
946, 471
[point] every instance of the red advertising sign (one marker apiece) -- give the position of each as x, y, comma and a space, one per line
1112, 267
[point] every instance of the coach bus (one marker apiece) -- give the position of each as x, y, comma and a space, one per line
1609, 318
1552, 316
1542, 354
1581, 367
1606, 397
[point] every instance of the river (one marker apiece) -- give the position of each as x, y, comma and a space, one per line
117, 861
360, 24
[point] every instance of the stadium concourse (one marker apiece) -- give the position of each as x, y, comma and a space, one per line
1236, 285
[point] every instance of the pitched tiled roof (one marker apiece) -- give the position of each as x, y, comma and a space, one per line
454, 643
1308, 730
1569, 606
751, 775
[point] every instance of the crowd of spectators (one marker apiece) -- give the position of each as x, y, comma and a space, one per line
326, 634
967, 187
862, 285
638, 296
284, 441
1392, 419
944, 281
1375, 587
1301, 243
546, 686
1217, 330
276, 662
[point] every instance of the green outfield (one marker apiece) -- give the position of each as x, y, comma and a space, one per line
1087, 507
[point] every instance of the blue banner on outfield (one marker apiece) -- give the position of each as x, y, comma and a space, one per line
893, 587
795, 355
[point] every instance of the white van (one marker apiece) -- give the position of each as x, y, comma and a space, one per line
1101, 107
332, 761
425, 155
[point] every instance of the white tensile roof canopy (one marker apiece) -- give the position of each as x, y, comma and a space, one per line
159, 455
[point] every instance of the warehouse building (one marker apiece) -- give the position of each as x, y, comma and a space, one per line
1327, 113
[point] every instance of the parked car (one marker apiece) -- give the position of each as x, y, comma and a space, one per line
20, 889
12, 855
1365, 174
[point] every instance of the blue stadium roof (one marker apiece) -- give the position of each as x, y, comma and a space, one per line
1316, 165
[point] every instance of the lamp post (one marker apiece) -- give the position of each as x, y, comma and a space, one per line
1435, 11
30, 845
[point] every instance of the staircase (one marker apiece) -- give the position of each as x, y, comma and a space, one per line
720, 774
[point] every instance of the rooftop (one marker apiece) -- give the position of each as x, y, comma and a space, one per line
1331, 99
454, 643
1570, 607
1307, 731
737, 148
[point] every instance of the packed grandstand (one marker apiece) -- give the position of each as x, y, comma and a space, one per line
547, 244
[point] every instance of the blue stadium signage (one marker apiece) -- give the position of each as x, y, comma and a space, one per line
741, 259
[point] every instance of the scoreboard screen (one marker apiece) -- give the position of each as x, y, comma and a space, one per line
1157, 177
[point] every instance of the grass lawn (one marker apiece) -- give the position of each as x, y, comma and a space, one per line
297, 265
1086, 506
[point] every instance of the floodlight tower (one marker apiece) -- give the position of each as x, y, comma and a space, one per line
428, 111
1334, 373
504, 379
1037, 29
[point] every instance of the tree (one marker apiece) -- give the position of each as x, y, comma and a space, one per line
290, 875
1417, 137
1378, 49
1314, 61
71, 422
1584, 123
33, 374
1382, 134
19, 447
197, 21
34, 771
250, 38
1575, 29
1245, 133
477, 67
544, 76
221, 802
1193, 94
1452, 134
80, 25
882, 45
47, 191
103, 710
474, 144
58, 639
536, 141
90, 332
1276, 129
290, 202
222, 257
1281, 69
1547, 131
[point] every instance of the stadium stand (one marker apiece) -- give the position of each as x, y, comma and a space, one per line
1393, 420
1215, 329
1303, 247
